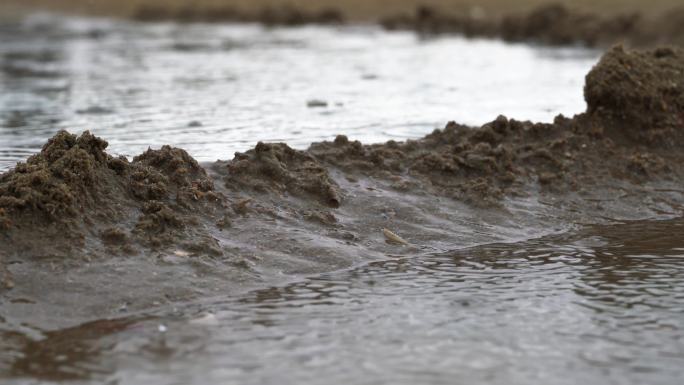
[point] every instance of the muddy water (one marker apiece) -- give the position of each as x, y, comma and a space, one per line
602, 306
216, 89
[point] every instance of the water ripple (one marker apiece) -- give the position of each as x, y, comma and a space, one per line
245, 83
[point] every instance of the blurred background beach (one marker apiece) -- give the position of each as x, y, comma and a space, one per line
353, 10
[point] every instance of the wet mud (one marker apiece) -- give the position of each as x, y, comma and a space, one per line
550, 24
61, 194
168, 229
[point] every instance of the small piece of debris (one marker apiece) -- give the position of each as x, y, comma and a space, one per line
393, 238
241, 207
315, 103
224, 222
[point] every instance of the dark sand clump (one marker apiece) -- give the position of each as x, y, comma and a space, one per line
72, 193
276, 16
274, 211
639, 95
278, 168
552, 24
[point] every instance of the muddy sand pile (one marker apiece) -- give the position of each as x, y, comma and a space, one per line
553, 24
85, 234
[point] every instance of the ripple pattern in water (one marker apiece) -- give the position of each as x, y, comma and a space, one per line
217, 89
605, 306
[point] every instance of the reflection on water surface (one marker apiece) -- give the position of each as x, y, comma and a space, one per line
605, 305
217, 89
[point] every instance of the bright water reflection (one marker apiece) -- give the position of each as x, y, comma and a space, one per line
217, 89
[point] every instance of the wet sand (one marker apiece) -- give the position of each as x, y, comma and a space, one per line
593, 24
356, 10
552, 24
168, 229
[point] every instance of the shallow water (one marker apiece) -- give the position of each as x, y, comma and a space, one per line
604, 306
217, 89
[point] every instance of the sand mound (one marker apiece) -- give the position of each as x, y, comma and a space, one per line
639, 95
72, 191
68, 176
278, 168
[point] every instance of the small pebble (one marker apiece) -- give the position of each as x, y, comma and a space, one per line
316, 103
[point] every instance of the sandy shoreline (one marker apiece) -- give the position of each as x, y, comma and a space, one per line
550, 23
170, 229
355, 10
92, 244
